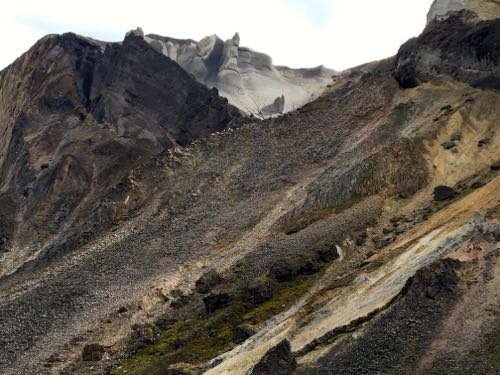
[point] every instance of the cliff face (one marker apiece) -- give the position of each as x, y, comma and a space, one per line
358, 234
460, 46
76, 116
247, 78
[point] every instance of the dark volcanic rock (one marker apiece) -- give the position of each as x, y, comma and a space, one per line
207, 281
93, 352
443, 193
328, 254
483, 142
393, 343
460, 47
284, 270
381, 242
216, 301
243, 332
278, 361
259, 291
360, 241
495, 166
310, 267
449, 145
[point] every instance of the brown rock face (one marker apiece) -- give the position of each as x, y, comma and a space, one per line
76, 115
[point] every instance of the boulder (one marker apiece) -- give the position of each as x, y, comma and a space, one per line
284, 270
216, 301
443, 193
243, 332
483, 142
259, 291
360, 241
363, 234
397, 219
277, 361
310, 267
381, 242
328, 253
495, 166
3, 242
207, 281
137, 32
449, 145
93, 352
278, 106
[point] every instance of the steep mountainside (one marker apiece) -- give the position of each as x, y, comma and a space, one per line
247, 78
76, 116
359, 234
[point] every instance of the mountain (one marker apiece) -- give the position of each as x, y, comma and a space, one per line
77, 116
357, 234
247, 78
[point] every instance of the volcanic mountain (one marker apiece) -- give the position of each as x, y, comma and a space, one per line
148, 226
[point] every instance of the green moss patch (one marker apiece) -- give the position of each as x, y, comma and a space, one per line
200, 338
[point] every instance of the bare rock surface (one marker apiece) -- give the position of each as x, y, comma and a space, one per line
248, 79
456, 47
77, 115
485, 9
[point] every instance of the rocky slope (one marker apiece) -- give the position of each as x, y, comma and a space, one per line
76, 116
358, 234
247, 78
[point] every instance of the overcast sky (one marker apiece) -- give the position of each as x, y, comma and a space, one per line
297, 33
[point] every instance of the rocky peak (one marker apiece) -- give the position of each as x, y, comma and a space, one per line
236, 39
484, 9
248, 79
137, 32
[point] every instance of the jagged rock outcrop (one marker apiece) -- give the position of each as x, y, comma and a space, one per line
485, 9
278, 361
247, 78
459, 47
76, 115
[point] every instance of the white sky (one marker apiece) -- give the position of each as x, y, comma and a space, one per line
297, 33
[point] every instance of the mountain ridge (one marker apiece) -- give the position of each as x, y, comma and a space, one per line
247, 78
148, 227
